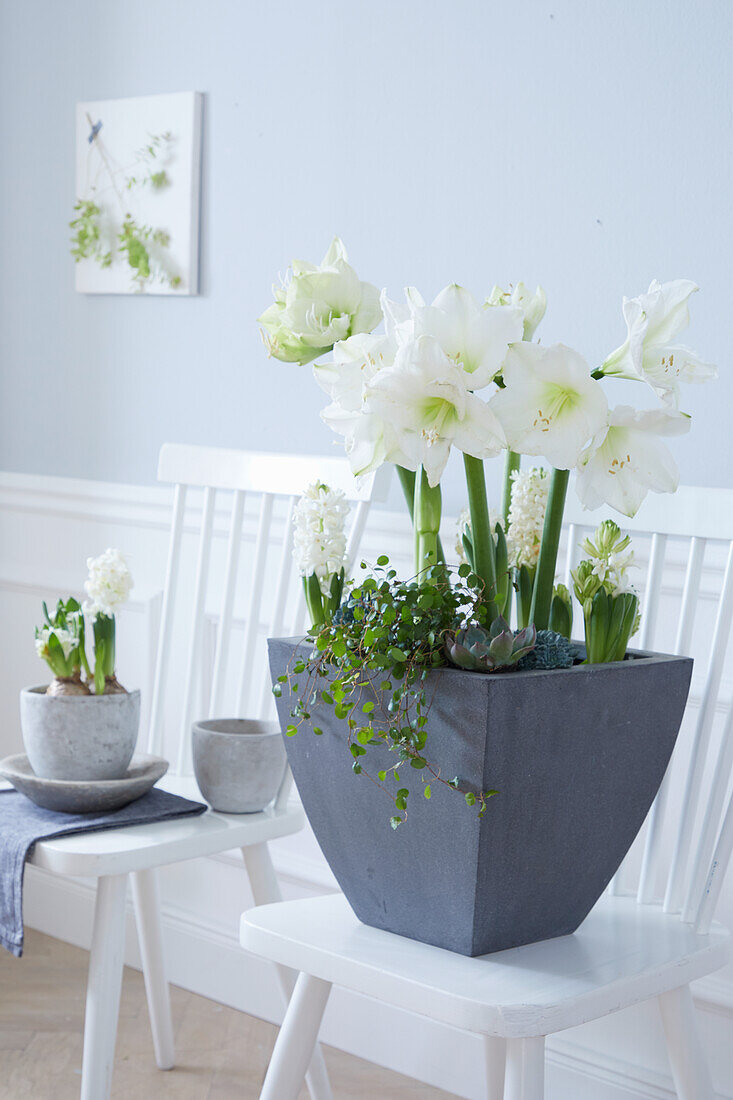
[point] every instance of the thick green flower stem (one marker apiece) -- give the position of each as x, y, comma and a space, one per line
314, 600
407, 481
484, 563
428, 507
544, 581
104, 650
512, 464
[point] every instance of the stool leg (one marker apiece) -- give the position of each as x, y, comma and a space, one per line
146, 900
525, 1069
265, 890
103, 988
690, 1070
297, 1038
495, 1057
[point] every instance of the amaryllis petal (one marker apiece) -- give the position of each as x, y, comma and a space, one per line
473, 336
550, 405
627, 459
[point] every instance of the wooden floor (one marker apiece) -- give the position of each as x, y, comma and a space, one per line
222, 1054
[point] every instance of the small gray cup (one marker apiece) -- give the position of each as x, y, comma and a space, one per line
239, 763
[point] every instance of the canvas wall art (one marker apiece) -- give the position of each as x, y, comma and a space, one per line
135, 224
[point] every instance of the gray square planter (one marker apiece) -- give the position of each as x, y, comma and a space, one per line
577, 756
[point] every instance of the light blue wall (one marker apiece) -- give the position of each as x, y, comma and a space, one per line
579, 143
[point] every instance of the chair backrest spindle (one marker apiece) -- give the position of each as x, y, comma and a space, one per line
162, 657
240, 475
194, 644
226, 613
652, 591
256, 587
691, 799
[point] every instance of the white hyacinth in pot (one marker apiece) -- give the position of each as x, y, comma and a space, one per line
74, 728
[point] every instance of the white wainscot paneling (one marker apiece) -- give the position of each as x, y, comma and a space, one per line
48, 527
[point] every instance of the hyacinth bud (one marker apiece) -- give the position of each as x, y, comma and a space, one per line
585, 582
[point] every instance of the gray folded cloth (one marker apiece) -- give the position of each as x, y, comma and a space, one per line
22, 824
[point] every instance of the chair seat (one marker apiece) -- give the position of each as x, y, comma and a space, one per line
138, 847
620, 955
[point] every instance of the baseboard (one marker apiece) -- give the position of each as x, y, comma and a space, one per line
204, 956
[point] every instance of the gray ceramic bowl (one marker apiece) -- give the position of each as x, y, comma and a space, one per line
239, 763
79, 737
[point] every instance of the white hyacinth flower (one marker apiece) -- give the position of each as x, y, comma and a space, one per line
527, 515
67, 639
109, 583
319, 533
608, 552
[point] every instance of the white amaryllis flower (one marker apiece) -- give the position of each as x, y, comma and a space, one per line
550, 405
109, 583
533, 306
368, 440
319, 533
355, 362
317, 307
527, 515
471, 335
627, 458
423, 398
650, 353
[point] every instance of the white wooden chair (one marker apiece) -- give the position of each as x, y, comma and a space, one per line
642, 941
137, 851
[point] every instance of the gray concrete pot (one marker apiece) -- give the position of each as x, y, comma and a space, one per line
577, 756
79, 737
238, 763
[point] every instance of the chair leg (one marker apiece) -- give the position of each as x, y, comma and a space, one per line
103, 988
495, 1057
296, 1040
686, 1054
266, 890
525, 1069
146, 900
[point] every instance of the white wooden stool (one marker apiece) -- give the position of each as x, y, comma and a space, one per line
622, 954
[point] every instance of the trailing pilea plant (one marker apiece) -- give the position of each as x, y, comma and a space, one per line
370, 665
